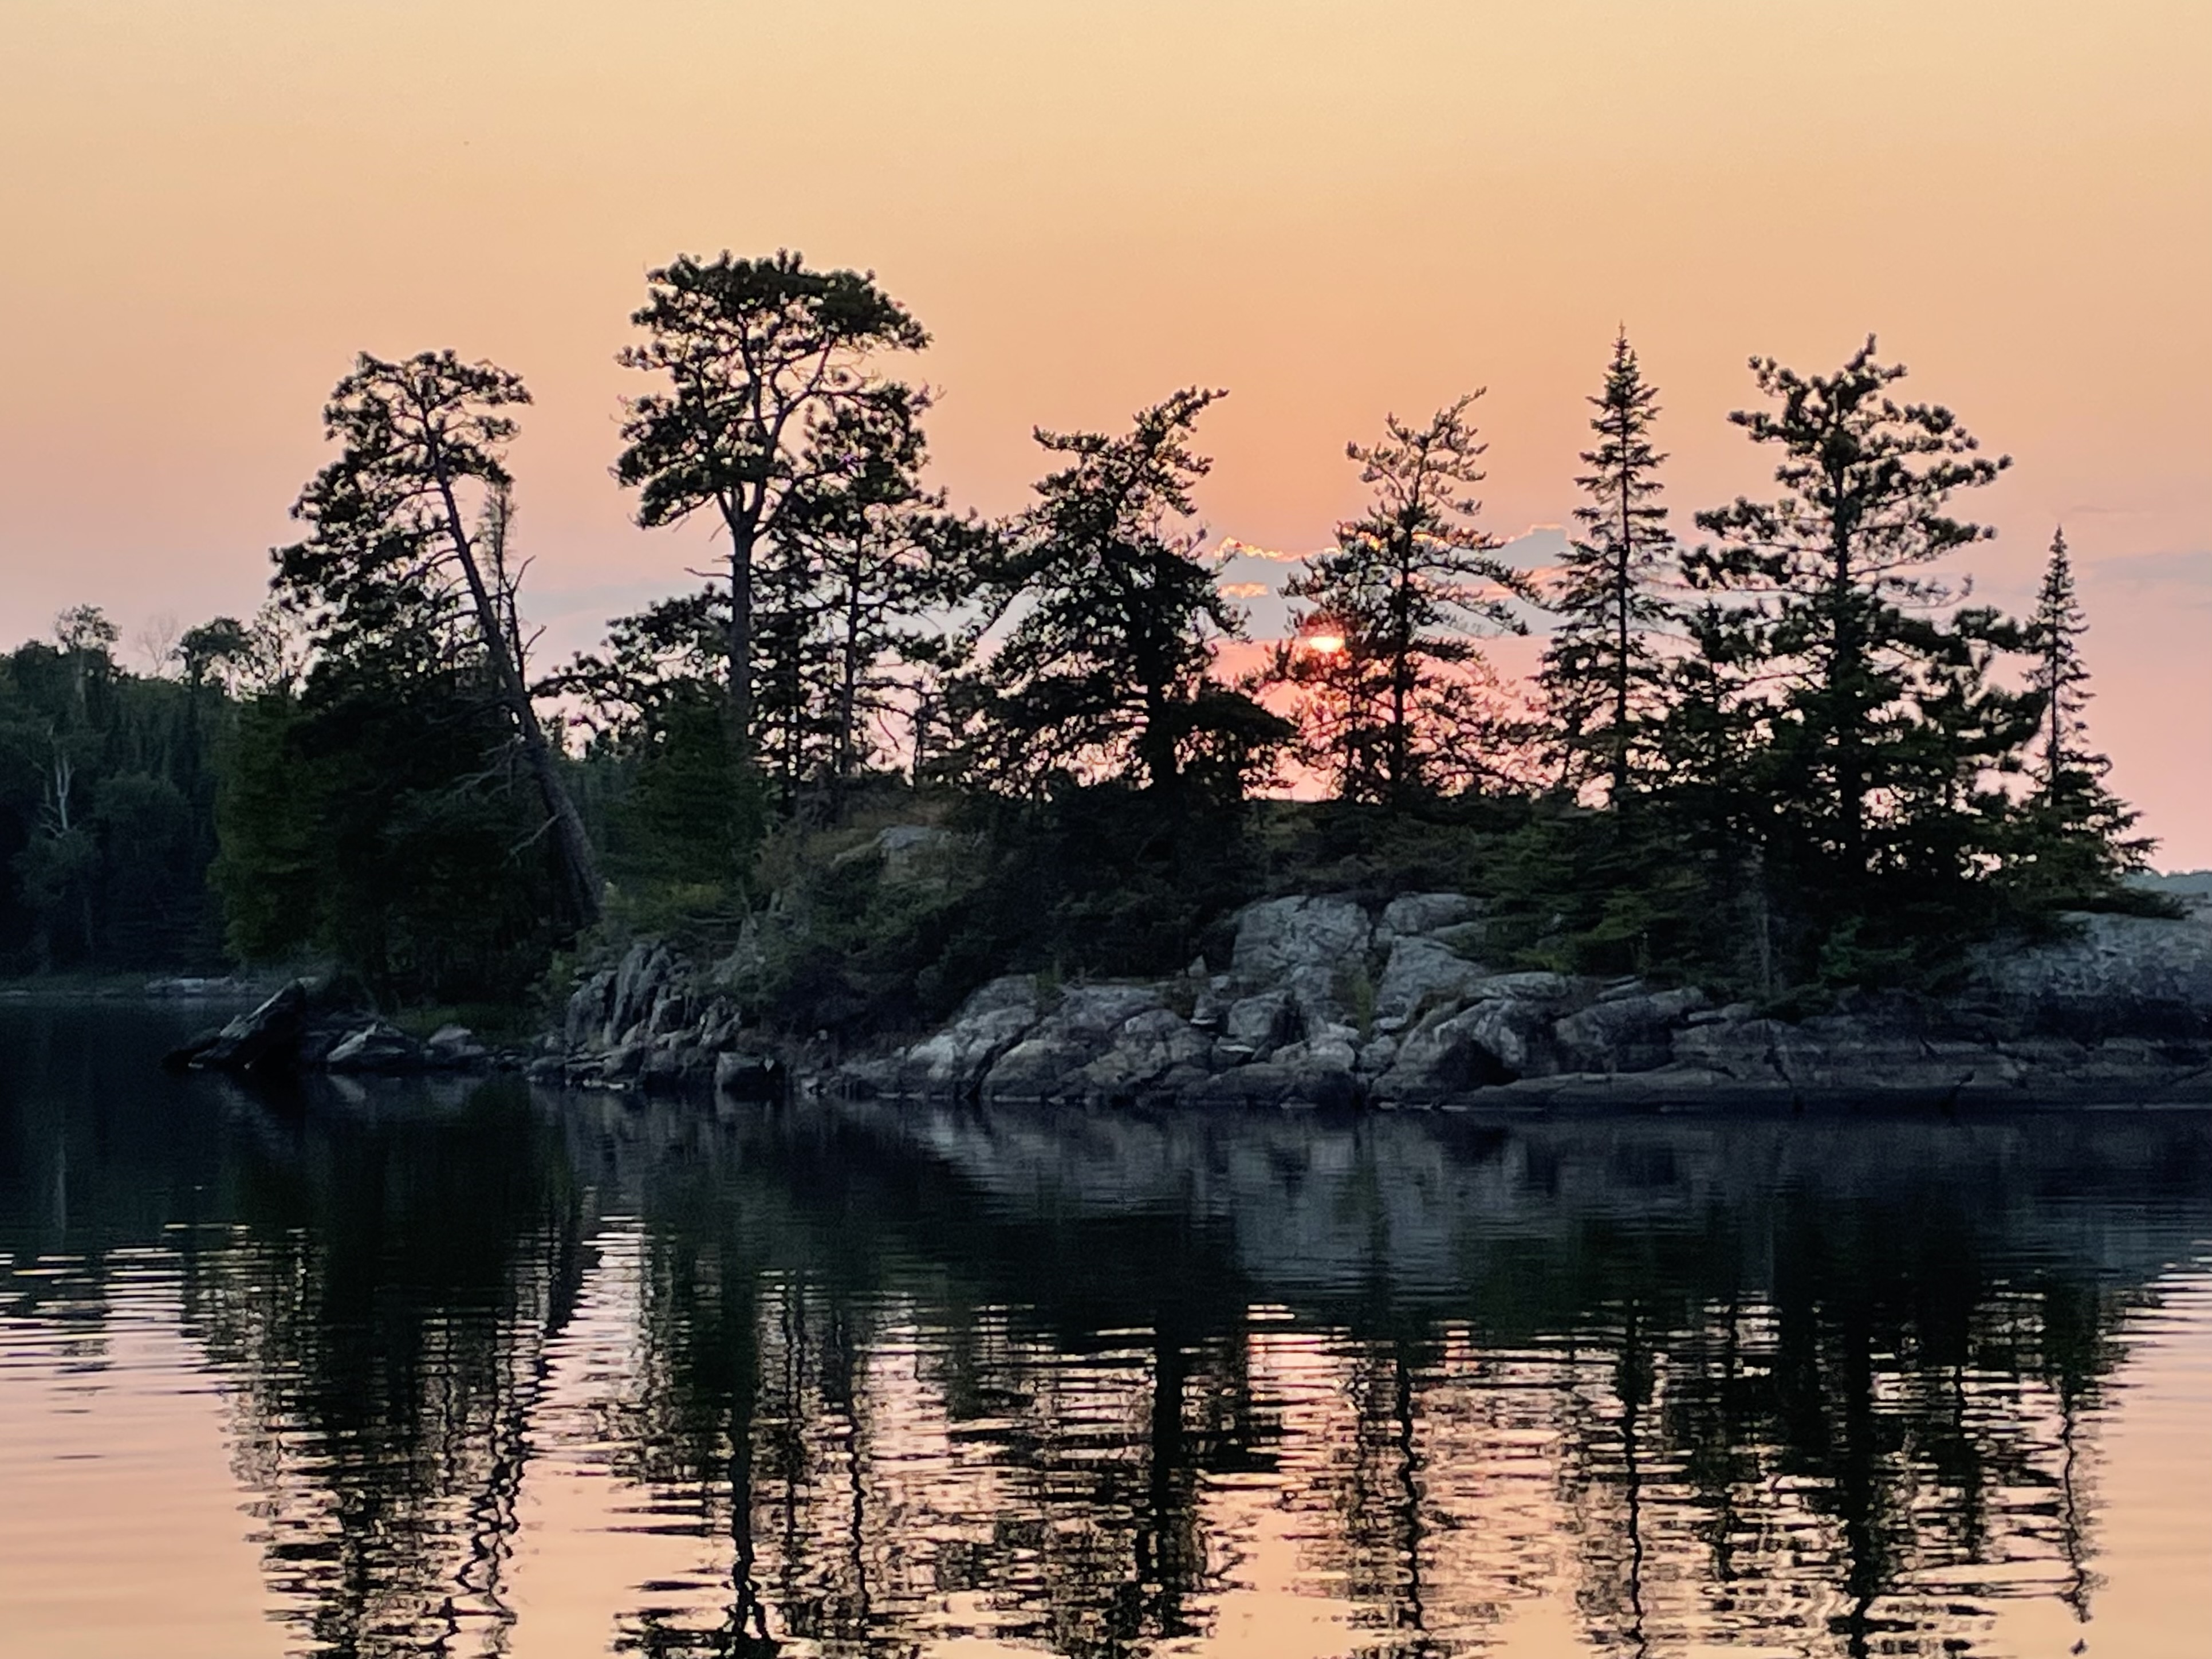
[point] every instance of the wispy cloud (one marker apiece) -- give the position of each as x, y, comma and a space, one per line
1231, 548
2176, 578
1245, 590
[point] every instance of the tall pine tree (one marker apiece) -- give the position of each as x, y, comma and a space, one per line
1870, 729
1111, 617
1602, 678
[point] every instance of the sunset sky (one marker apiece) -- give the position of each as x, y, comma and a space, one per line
1333, 210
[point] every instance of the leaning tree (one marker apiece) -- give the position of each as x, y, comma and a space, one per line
413, 516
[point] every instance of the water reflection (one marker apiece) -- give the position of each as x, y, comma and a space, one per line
844, 1379
383, 1297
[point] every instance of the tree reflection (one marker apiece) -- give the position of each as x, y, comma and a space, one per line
385, 1303
930, 1393
893, 1377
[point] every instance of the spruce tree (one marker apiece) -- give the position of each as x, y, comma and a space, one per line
1869, 732
2079, 846
1601, 676
1400, 596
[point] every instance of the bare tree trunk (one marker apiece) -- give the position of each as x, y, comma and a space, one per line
742, 534
579, 873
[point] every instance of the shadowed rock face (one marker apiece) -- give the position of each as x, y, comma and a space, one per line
1326, 1002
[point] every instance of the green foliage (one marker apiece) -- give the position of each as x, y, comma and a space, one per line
1082, 881
669, 801
380, 819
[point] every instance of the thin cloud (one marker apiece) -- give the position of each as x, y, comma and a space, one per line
1245, 590
1231, 548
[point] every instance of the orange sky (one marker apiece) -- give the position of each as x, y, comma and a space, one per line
1332, 210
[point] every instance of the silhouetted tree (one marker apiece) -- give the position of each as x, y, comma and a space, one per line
864, 556
1873, 729
2080, 846
107, 787
387, 527
672, 802
1602, 677
763, 357
1111, 617
1403, 590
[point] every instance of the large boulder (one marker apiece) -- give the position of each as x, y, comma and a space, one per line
1045, 1064
1446, 1055
2149, 976
952, 1063
455, 1048
265, 1039
630, 998
1421, 973
1412, 914
1154, 1056
1314, 948
1632, 1032
377, 1047
584, 1021
1253, 1027
1298, 1075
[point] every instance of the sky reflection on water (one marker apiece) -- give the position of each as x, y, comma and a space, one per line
473, 1372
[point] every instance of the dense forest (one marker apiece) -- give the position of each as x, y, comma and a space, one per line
1770, 747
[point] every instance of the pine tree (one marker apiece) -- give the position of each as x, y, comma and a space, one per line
1602, 677
762, 357
1112, 616
1400, 597
2060, 678
2079, 847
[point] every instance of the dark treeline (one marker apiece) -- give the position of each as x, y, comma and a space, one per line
108, 782
1774, 748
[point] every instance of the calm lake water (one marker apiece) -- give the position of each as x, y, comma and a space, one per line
458, 1371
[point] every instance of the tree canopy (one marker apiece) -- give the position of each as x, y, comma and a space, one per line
772, 395
1795, 755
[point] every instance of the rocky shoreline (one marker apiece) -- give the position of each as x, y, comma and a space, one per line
299, 1028
1325, 1001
